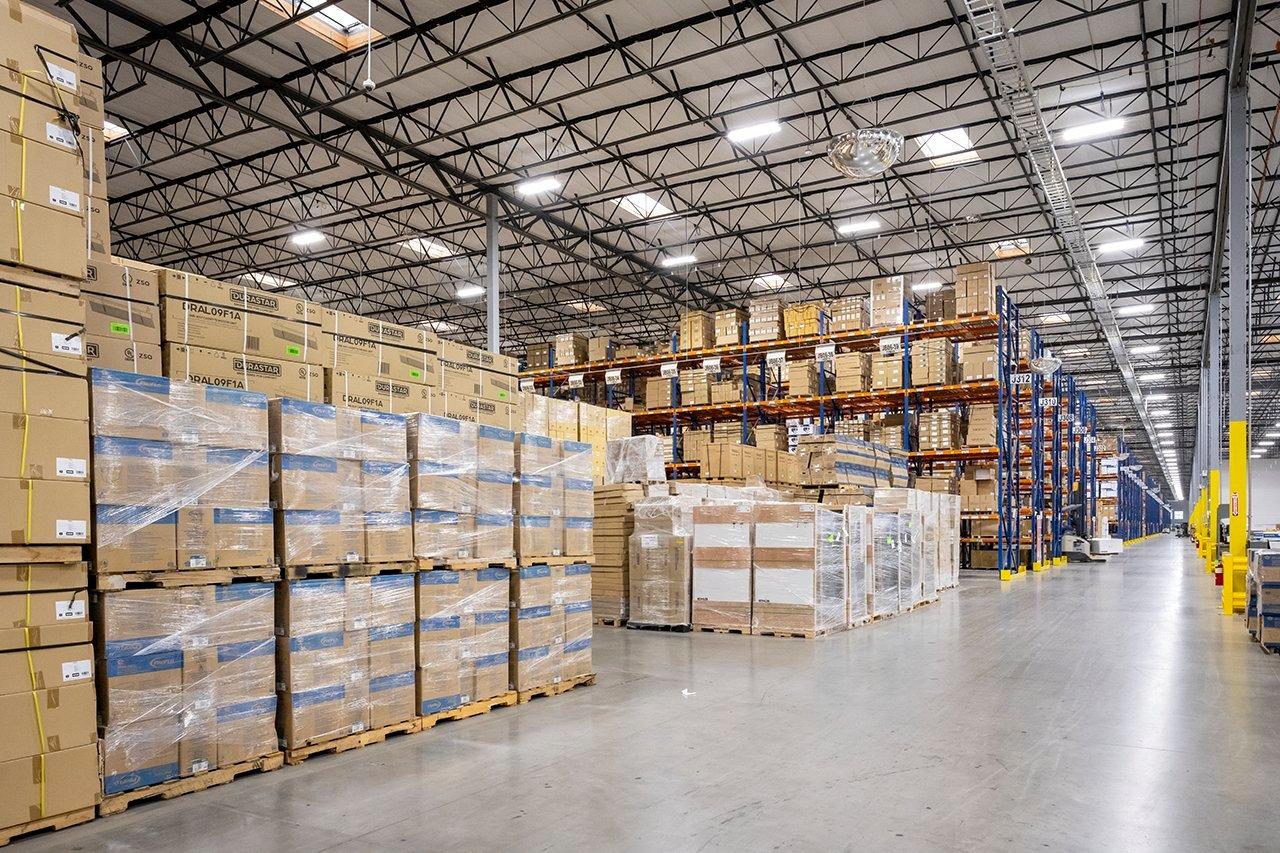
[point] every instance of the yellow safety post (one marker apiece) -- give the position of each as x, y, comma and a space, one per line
1236, 561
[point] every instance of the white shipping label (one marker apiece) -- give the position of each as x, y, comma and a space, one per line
76, 670
200, 766
669, 370
69, 528
64, 77
648, 540
777, 356
351, 557
575, 380
198, 563
356, 728
69, 344
711, 365
64, 199
59, 135
72, 610
526, 384
69, 466
197, 641
613, 377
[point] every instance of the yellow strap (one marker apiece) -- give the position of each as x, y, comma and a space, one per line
31, 499
22, 179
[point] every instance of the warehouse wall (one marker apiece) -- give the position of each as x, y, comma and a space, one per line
1264, 492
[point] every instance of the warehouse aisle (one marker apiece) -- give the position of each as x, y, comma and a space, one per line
1103, 707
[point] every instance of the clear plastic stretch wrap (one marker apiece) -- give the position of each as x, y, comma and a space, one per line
949, 508
345, 655
571, 608
462, 479
537, 628
186, 680
722, 565
661, 571
578, 490
635, 459
887, 562
799, 571
539, 496
859, 537
340, 489
463, 637
181, 475
911, 572
930, 545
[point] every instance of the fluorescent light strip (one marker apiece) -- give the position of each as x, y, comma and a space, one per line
1093, 130
860, 227
537, 186
679, 261
307, 238
753, 131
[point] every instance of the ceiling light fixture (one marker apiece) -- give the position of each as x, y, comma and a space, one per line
1136, 310
862, 226
469, 291
112, 131
753, 131
926, 287
1054, 318
679, 261
1013, 248
1153, 377
642, 205
427, 246
587, 306
537, 186
1144, 349
1093, 130
307, 238
1157, 398
770, 281
266, 279
1118, 246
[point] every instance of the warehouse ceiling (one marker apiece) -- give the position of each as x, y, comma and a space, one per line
246, 122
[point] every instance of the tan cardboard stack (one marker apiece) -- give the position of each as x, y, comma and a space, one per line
722, 567
978, 488
849, 314
657, 393
803, 319
980, 427
978, 360
940, 305
576, 489
570, 349
345, 658
614, 523
234, 336
728, 326
932, 362
798, 570
802, 378
539, 498
696, 330
764, 319
376, 365
938, 429
49, 752
660, 557
478, 386
462, 637
887, 301
122, 308
599, 348
537, 641
886, 372
975, 290
695, 387
853, 372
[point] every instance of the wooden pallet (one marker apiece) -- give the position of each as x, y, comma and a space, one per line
610, 621
471, 709
109, 581
59, 821
555, 689
712, 629
799, 635
298, 754
525, 562
675, 629
426, 565
12, 554
346, 570
116, 803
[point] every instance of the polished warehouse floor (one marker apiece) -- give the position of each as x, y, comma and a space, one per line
1088, 708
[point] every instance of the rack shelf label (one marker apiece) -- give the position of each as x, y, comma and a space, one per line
891, 345
824, 352
711, 364
1020, 379
613, 377
777, 356
669, 370
575, 380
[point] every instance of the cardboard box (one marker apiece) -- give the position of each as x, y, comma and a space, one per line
359, 391
39, 174
134, 538
491, 361
52, 784
722, 566
246, 373
180, 285
107, 317
33, 619
42, 577
41, 242
358, 327
886, 372
41, 448
220, 327
443, 535
798, 569
357, 355
849, 314
571, 348
107, 276
479, 411
696, 330
48, 343
45, 394
539, 536
728, 325
887, 301
123, 354
44, 512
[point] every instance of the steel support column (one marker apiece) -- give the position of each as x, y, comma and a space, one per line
1239, 247
1213, 428
491, 269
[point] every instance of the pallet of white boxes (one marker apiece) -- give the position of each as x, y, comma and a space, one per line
746, 560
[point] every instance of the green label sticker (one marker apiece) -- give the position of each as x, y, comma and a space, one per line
293, 350
415, 374
502, 395
120, 328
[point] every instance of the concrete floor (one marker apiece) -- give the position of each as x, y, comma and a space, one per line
1089, 708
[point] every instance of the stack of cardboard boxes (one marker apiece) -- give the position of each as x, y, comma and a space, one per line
978, 360
939, 429
764, 319
849, 314
980, 427
886, 371
888, 301
660, 551
614, 523
975, 289
798, 567
940, 304
804, 319
722, 566
180, 476
728, 326
570, 349
462, 637
372, 364
932, 362
600, 348
852, 372
861, 559
477, 386
186, 681
122, 316
978, 488
345, 656
696, 330
443, 489
539, 498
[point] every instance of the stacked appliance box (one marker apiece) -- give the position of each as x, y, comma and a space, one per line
661, 572
345, 656
537, 638
540, 499
443, 465
577, 491
462, 637
799, 576
722, 566
122, 308
614, 521
859, 539
373, 364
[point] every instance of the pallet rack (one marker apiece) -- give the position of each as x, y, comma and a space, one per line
1046, 430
